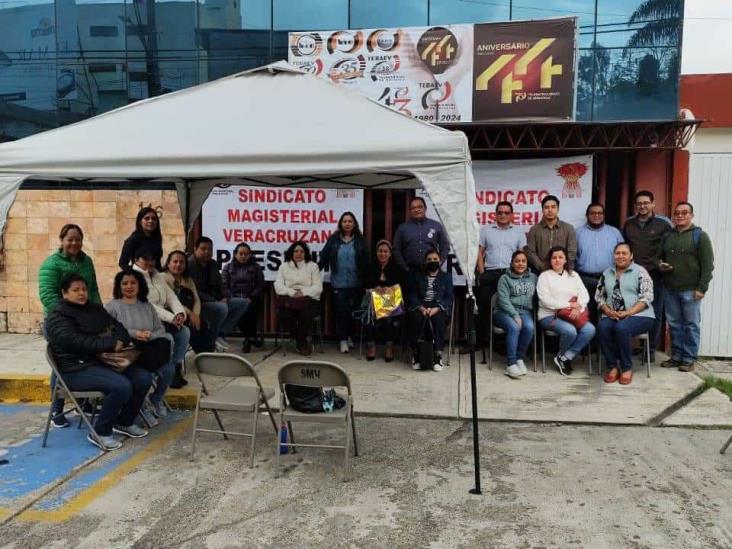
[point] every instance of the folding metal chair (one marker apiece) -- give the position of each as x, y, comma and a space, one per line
646, 354
311, 373
497, 330
59, 389
232, 398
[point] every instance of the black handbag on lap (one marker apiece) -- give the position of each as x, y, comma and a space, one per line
154, 353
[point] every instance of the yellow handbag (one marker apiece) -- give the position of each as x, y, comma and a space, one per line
387, 301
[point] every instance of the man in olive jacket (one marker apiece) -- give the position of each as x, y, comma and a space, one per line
687, 261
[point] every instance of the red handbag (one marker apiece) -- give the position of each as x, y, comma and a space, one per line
580, 320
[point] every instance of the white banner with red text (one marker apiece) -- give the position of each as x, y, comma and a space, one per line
524, 183
270, 219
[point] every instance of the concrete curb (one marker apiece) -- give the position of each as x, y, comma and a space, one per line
36, 388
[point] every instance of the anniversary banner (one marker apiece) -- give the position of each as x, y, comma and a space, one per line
524, 183
452, 73
270, 219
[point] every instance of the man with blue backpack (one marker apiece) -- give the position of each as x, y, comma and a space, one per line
687, 261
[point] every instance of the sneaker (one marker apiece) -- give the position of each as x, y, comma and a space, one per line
513, 371
686, 367
438, 366
159, 409
221, 342
568, 367
671, 363
522, 367
344, 346
246, 346
416, 365
148, 416
105, 443
561, 363
132, 431
60, 421
350, 343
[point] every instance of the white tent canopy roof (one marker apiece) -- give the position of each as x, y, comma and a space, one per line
274, 125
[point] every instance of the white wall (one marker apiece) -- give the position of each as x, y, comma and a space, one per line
707, 41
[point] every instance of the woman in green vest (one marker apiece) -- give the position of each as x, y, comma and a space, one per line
624, 296
66, 260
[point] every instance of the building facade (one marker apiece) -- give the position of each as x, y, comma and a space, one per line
63, 61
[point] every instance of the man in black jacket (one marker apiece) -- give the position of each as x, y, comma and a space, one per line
645, 232
220, 312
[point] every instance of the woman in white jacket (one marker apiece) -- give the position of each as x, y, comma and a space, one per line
560, 288
166, 304
298, 287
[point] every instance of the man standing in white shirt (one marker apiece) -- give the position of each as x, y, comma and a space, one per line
497, 244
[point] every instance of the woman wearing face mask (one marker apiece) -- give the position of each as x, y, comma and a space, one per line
429, 301
68, 259
243, 279
383, 273
624, 296
560, 288
298, 287
78, 331
514, 312
345, 254
131, 308
146, 235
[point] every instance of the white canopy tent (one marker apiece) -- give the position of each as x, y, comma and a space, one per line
274, 125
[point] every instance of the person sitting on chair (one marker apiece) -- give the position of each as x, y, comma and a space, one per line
78, 331
624, 296
131, 308
429, 300
298, 287
514, 312
383, 273
243, 278
559, 289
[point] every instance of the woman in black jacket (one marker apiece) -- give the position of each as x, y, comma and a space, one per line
146, 235
383, 273
429, 300
346, 256
78, 331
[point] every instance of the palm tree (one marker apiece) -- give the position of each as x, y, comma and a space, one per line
662, 23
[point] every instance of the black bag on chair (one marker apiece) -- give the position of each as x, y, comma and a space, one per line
313, 400
426, 347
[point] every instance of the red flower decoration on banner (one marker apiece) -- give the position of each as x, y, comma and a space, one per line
571, 173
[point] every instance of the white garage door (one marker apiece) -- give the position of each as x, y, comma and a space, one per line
710, 191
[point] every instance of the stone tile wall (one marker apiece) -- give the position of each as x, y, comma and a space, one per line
107, 217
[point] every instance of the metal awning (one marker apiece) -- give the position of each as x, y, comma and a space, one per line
578, 136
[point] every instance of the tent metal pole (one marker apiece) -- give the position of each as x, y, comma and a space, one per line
188, 213
474, 392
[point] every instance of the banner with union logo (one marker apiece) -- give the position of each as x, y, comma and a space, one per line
452, 73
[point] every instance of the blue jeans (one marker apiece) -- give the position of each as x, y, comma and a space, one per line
683, 313
615, 337
166, 372
345, 301
235, 309
213, 314
571, 341
517, 339
124, 393
659, 293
